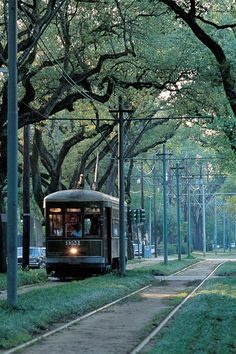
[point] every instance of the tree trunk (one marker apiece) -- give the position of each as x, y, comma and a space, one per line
3, 248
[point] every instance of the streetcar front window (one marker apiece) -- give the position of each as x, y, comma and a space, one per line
55, 224
73, 222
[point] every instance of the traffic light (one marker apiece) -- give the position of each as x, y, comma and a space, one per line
142, 215
133, 216
137, 216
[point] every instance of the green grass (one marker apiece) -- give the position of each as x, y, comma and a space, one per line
28, 277
206, 324
40, 308
173, 266
227, 269
220, 254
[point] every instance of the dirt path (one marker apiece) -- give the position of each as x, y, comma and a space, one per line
118, 329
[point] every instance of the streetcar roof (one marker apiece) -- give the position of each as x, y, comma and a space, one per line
79, 195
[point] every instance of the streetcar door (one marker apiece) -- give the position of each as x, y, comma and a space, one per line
107, 226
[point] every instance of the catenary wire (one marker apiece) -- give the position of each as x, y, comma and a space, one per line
65, 75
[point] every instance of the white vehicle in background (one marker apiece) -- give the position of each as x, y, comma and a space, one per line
36, 257
137, 249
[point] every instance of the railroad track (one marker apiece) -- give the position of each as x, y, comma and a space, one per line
105, 308
146, 340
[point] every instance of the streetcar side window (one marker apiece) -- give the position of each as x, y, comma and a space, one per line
55, 222
91, 221
115, 222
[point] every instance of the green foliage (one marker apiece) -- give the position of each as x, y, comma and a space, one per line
147, 54
173, 266
227, 269
28, 277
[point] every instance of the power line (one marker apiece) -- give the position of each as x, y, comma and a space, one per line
133, 119
57, 8
66, 76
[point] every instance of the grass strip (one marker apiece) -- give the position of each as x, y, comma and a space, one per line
40, 308
31, 276
206, 324
227, 269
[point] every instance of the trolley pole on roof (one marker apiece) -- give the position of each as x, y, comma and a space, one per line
12, 152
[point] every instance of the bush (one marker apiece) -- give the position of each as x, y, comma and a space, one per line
31, 276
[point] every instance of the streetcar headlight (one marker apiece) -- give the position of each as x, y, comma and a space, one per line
73, 250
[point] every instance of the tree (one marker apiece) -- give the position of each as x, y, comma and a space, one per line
69, 51
213, 24
55, 151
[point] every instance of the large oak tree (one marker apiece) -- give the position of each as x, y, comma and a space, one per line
71, 51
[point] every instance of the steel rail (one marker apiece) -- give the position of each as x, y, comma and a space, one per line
80, 318
22, 346
146, 340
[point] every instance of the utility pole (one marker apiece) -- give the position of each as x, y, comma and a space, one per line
177, 168
150, 222
224, 230
155, 204
165, 235
189, 241
165, 231
234, 231
215, 225
203, 219
121, 183
189, 218
121, 187
142, 206
202, 194
26, 198
229, 232
12, 152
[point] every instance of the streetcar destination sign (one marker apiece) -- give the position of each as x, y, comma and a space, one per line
72, 243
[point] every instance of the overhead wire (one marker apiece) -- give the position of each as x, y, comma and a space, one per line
58, 67
66, 76
44, 27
